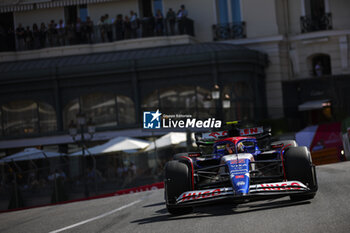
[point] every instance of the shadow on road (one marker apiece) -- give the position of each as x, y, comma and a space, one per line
217, 210
155, 204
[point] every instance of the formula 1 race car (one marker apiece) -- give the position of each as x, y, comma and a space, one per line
240, 168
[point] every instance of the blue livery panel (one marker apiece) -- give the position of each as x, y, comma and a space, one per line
239, 174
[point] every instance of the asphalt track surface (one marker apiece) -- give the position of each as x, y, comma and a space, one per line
145, 212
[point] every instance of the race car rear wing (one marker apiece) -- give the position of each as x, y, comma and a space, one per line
208, 138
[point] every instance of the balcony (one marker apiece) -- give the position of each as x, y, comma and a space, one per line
312, 24
229, 31
94, 34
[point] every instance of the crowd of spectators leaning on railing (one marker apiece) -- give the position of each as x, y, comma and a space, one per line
107, 29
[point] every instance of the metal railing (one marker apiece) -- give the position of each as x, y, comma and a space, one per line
69, 35
228, 31
312, 24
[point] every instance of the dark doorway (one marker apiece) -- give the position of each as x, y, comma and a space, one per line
7, 35
317, 9
70, 14
145, 8
321, 65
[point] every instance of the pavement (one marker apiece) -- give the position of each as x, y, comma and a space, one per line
329, 211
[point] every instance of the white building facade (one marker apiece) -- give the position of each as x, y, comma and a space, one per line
295, 34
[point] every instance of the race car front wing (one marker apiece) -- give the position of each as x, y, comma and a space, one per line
278, 189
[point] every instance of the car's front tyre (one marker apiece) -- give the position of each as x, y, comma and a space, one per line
298, 165
177, 181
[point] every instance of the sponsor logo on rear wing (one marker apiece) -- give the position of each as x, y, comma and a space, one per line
214, 135
251, 131
243, 132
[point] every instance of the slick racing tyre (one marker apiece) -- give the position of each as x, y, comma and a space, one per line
180, 155
177, 181
298, 165
292, 143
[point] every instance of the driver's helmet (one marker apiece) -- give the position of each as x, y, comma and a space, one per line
230, 148
240, 147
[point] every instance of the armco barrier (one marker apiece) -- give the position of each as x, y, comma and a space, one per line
143, 188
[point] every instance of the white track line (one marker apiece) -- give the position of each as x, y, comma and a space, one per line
97, 217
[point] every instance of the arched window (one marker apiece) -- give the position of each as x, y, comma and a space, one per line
70, 112
27, 116
178, 99
206, 105
126, 110
151, 102
173, 100
181, 100
100, 108
47, 118
104, 110
320, 65
242, 101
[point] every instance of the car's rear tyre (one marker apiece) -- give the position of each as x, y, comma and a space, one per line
292, 143
177, 181
298, 165
179, 156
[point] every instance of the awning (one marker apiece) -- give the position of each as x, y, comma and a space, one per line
170, 139
115, 145
31, 154
312, 105
26, 5
65, 139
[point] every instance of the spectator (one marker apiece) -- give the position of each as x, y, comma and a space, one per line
36, 37
119, 27
43, 32
16, 199
59, 193
78, 31
127, 28
54, 175
102, 28
120, 171
132, 170
61, 33
33, 182
70, 34
109, 27
171, 18
182, 18
28, 38
182, 13
133, 24
318, 69
159, 23
11, 39
20, 37
52, 33
89, 29
62, 174
3, 39
110, 173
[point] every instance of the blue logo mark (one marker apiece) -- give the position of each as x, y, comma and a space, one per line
151, 120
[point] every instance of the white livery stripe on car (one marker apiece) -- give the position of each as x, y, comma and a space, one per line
279, 186
258, 188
